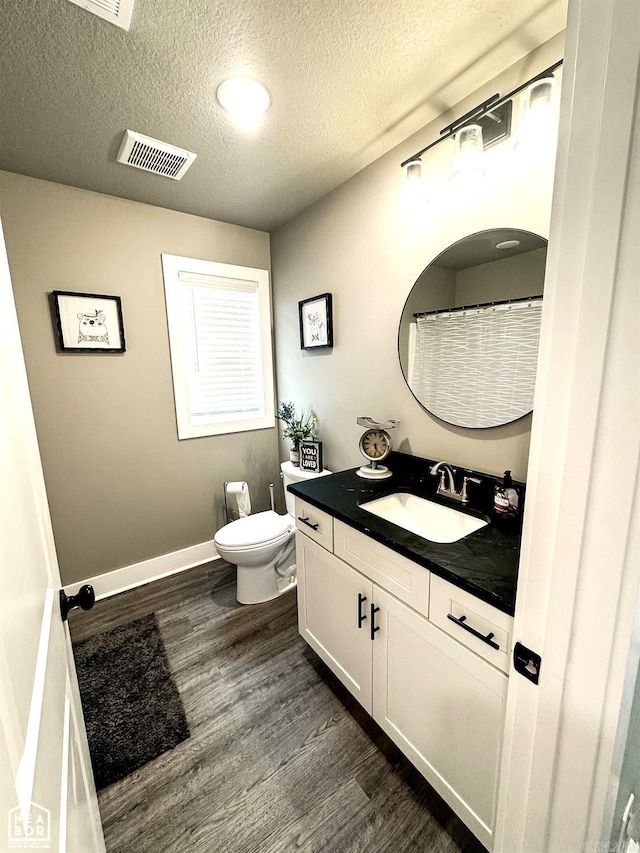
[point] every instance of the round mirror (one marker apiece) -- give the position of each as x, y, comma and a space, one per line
468, 337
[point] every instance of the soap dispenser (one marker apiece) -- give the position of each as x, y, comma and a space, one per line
505, 498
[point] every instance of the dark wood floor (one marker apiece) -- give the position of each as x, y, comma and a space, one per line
280, 757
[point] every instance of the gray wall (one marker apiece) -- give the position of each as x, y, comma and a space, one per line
434, 290
509, 278
121, 487
365, 245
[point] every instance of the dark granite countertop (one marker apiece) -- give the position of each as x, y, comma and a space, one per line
485, 563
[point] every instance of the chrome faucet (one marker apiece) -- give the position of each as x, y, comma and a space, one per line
442, 468
450, 490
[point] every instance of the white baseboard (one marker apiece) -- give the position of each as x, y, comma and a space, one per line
128, 577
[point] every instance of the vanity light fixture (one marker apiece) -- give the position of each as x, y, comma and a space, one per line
493, 116
244, 99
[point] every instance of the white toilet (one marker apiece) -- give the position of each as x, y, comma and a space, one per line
262, 546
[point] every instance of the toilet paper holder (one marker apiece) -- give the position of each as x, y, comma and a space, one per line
226, 504
227, 511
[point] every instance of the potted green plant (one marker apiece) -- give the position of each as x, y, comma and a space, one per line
296, 428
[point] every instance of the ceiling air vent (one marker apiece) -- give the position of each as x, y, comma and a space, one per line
149, 154
117, 12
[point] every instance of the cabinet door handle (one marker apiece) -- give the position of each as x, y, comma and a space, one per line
374, 627
361, 616
308, 523
462, 622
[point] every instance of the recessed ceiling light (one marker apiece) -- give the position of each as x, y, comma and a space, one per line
508, 244
243, 98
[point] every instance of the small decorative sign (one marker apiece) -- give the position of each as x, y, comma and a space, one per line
311, 456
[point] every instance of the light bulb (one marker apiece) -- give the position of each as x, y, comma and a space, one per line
413, 170
468, 166
414, 188
539, 120
244, 99
539, 107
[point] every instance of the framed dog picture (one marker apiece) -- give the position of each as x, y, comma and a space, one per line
88, 322
316, 323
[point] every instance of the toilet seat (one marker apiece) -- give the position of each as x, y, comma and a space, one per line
255, 531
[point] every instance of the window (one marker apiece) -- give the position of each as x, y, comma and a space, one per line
219, 318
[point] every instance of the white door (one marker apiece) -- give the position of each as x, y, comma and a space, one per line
334, 615
580, 562
47, 795
444, 707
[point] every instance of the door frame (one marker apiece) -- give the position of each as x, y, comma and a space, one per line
580, 563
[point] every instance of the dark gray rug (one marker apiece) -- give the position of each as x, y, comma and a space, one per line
131, 704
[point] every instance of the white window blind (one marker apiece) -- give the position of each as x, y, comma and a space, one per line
223, 346
220, 336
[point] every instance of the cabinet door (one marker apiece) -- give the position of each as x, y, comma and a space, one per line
443, 706
330, 598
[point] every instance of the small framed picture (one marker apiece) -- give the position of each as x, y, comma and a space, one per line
311, 456
316, 324
88, 322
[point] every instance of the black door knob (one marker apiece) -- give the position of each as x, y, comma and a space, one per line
84, 598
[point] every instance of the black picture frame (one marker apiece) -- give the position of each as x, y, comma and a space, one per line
87, 322
316, 322
311, 456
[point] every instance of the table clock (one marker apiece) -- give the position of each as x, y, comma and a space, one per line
375, 445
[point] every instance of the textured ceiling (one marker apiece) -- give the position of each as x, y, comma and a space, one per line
349, 79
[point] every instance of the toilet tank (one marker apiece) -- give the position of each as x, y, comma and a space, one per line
293, 474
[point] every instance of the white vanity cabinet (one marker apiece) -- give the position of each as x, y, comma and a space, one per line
332, 599
443, 706
437, 689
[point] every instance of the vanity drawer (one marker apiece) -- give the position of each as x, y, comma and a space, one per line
450, 603
315, 524
407, 580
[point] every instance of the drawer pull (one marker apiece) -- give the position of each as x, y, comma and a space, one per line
306, 521
361, 616
462, 622
374, 627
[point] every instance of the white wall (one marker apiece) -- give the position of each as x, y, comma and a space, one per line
363, 245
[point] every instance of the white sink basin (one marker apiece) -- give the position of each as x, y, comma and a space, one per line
430, 520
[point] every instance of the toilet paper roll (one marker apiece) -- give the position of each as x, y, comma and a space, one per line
239, 491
